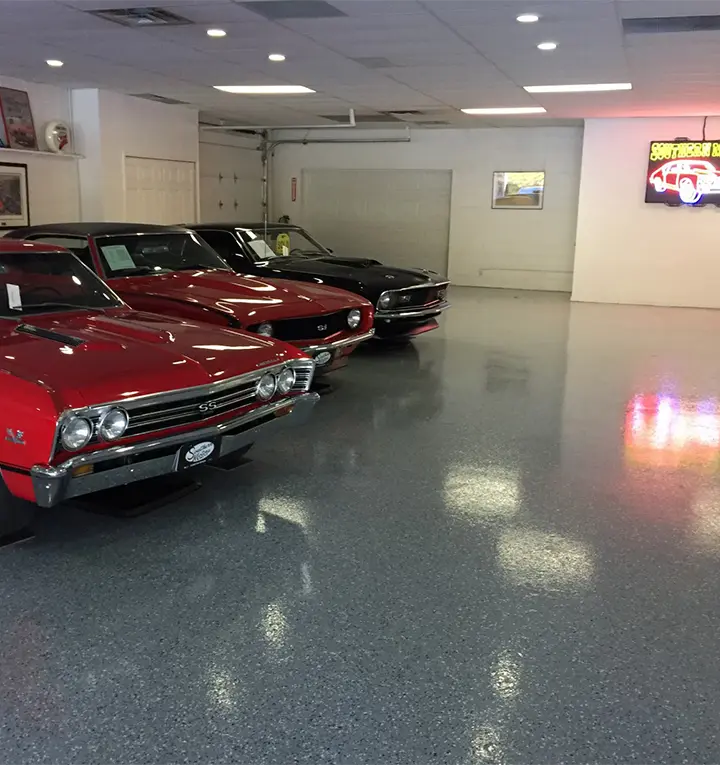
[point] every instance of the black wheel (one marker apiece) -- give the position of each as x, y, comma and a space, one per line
16, 516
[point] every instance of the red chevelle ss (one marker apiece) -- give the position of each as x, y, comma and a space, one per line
96, 395
171, 271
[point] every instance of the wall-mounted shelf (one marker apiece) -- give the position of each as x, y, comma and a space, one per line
35, 153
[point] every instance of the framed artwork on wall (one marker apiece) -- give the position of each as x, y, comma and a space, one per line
518, 190
17, 119
14, 199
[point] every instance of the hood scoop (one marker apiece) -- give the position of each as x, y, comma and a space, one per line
352, 262
48, 334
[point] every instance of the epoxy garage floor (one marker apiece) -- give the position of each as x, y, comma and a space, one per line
500, 545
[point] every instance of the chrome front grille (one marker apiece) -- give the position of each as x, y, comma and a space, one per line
303, 375
416, 297
191, 406
157, 416
308, 327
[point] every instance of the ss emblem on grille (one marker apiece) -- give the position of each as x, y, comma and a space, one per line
208, 407
322, 327
405, 298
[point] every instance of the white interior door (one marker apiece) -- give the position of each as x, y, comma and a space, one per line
400, 217
159, 191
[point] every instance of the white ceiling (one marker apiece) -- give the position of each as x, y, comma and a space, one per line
445, 55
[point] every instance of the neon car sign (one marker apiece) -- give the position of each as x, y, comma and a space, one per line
684, 172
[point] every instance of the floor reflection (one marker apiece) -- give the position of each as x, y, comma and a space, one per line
667, 431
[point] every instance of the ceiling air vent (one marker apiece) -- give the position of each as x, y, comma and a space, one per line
141, 17
360, 118
159, 99
294, 9
670, 24
404, 113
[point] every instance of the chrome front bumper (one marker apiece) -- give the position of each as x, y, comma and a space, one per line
311, 349
325, 355
53, 484
419, 313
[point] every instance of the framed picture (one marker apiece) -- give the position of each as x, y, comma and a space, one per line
518, 190
17, 119
14, 200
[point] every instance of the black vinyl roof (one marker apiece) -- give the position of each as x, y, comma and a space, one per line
95, 229
253, 226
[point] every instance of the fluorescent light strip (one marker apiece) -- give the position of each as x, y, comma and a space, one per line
595, 88
508, 110
258, 90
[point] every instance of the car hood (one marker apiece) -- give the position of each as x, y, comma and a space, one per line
87, 358
239, 296
375, 276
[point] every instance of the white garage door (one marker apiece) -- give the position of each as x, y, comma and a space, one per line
159, 190
401, 217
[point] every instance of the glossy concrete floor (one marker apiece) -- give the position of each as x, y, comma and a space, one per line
501, 545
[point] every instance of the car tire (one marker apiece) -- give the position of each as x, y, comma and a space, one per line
15, 514
688, 191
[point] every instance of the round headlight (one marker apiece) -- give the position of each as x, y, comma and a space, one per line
286, 380
354, 318
385, 300
266, 387
265, 329
76, 433
113, 424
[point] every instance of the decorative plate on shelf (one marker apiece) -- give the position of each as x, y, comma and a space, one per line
57, 137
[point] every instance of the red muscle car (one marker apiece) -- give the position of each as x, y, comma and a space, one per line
170, 270
96, 395
690, 178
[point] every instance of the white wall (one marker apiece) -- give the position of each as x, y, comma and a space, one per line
531, 249
112, 126
53, 182
632, 252
237, 159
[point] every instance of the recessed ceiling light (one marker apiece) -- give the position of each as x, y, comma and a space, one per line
594, 88
507, 110
251, 90
528, 18
216, 33
547, 46
54, 62
276, 57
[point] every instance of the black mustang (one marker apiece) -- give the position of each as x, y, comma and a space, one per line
407, 301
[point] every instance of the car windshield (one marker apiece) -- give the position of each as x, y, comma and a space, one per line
147, 254
276, 241
38, 282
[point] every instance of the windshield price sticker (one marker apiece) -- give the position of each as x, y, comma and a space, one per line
117, 256
13, 296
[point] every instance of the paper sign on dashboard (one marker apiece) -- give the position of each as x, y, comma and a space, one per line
117, 256
13, 295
